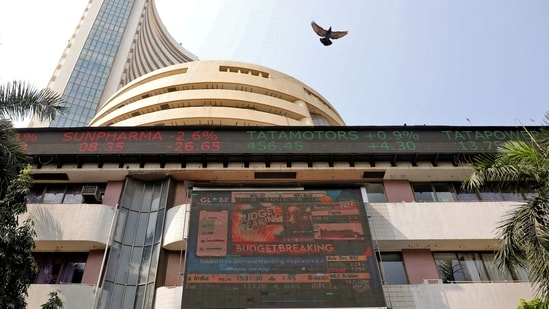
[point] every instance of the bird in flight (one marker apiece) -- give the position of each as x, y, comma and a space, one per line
327, 34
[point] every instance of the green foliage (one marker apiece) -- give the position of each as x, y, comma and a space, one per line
17, 265
12, 160
19, 100
535, 303
521, 166
54, 302
18, 268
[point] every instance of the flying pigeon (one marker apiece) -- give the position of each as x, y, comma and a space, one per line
327, 34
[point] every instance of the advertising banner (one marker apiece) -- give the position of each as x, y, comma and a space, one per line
280, 249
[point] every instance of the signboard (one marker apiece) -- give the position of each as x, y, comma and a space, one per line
310, 140
280, 249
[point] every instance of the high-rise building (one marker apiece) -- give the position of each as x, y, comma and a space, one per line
221, 184
115, 42
267, 217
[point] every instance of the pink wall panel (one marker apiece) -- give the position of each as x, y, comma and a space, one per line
419, 265
398, 191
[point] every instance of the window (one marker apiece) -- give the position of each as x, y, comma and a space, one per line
450, 192
375, 193
60, 194
59, 268
434, 192
392, 268
473, 267
319, 120
464, 195
490, 194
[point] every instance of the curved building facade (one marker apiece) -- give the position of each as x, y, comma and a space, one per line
114, 43
216, 93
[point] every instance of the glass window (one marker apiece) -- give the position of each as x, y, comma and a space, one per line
54, 195
491, 267
490, 195
508, 196
449, 268
72, 272
60, 193
392, 268
35, 194
319, 120
434, 192
473, 267
73, 195
375, 193
444, 192
58, 268
464, 195
423, 192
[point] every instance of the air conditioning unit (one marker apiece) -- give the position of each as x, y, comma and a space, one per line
91, 194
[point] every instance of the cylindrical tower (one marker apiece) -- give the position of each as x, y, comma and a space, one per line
216, 93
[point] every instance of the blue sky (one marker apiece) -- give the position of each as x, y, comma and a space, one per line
433, 62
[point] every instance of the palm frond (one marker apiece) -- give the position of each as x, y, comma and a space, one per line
524, 241
12, 158
20, 100
517, 166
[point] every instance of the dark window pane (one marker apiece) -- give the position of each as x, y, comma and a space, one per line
151, 227
146, 203
137, 199
393, 268
141, 229
114, 256
135, 264
473, 267
465, 195
139, 296
129, 297
73, 195
149, 295
491, 196
448, 266
512, 196
131, 225
444, 192
35, 194
116, 300
375, 193
145, 264
159, 226
54, 195
72, 272
106, 294
121, 222
423, 193
56, 267
123, 264
494, 273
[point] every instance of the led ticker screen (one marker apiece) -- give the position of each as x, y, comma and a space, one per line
283, 249
189, 140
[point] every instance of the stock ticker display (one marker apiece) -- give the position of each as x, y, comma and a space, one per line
200, 140
280, 249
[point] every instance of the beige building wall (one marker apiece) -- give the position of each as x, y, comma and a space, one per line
216, 93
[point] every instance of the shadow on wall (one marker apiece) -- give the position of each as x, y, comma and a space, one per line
400, 295
47, 227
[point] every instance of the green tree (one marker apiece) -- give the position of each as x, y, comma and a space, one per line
18, 101
535, 303
17, 265
54, 302
521, 166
